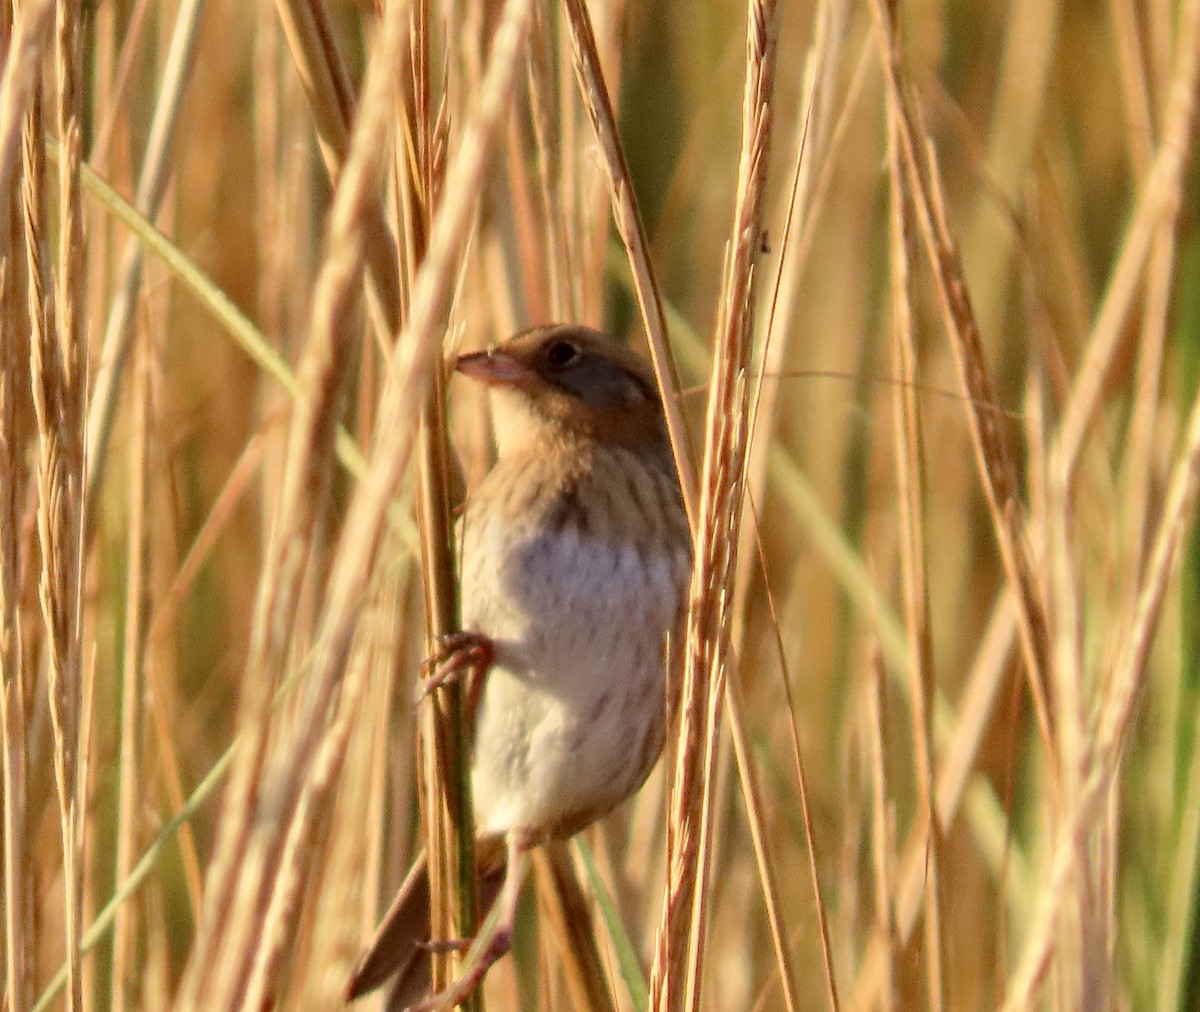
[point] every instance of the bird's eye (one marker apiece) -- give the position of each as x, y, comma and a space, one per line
561, 353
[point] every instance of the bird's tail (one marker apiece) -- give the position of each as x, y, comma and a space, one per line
400, 945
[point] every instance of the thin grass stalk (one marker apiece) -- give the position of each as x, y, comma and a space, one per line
450, 833
1135, 85
772, 352
446, 787
19, 936
519, 231
126, 982
58, 376
1174, 970
1158, 205
43, 343
163, 621
390, 792
1099, 923
1137, 476
910, 481
882, 833
310, 37
1024, 86
21, 940
1070, 750
116, 70
411, 162
282, 183
993, 455
1138, 466
559, 253
306, 838
783, 956
386, 811
131, 792
70, 309
584, 247
568, 920
326, 81
677, 971
71, 286
768, 869
19, 83
958, 756
151, 188
628, 220
585, 180
85, 781
1160, 24
776, 327
289, 225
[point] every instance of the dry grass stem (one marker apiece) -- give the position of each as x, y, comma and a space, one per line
151, 188
20, 80
568, 916
629, 224
911, 486
677, 972
992, 451
58, 379
445, 784
1158, 204
310, 37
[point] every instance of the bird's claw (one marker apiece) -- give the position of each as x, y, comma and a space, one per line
457, 990
454, 644
457, 656
446, 945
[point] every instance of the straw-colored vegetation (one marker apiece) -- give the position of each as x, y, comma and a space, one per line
921, 282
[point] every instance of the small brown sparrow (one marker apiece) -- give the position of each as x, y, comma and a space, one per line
575, 564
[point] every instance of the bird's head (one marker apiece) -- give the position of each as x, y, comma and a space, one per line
568, 381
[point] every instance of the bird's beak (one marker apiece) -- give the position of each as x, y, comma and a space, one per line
493, 367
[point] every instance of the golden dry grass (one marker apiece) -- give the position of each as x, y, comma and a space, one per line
922, 287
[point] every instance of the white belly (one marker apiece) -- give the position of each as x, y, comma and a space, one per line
571, 716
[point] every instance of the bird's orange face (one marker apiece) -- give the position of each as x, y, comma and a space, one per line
572, 379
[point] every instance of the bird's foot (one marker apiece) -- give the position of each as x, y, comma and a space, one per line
495, 935
456, 656
445, 945
491, 950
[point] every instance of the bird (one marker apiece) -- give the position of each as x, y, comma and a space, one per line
575, 562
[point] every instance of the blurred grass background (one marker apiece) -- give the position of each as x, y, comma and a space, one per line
1036, 110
